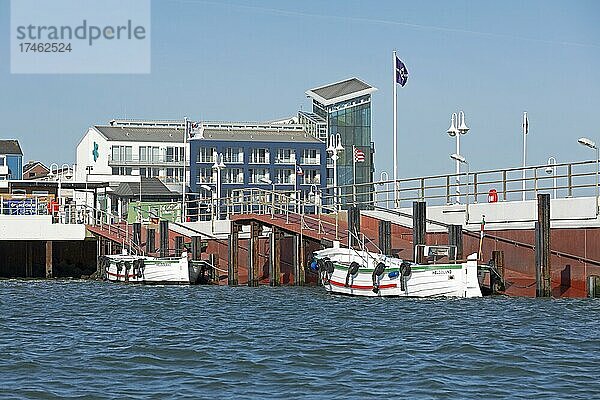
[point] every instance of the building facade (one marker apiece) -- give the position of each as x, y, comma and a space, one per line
283, 157
11, 160
344, 108
126, 150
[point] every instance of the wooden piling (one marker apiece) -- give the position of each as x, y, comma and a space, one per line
354, 225
49, 272
233, 251
137, 233
253, 257
302, 260
213, 259
150, 240
275, 257
542, 248
178, 245
497, 281
196, 249
163, 234
385, 237
419, 227
455, 238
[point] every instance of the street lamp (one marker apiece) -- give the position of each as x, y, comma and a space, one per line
461, 159
458, 127
335, 147
58, 176
270, 182
212, 207
592, 145
551, 169
383, 178
218, 166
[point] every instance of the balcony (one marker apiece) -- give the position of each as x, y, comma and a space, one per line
310, 161
151, 162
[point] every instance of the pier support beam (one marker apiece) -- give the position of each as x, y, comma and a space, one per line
419, 227
298, 259
275, 257
49, 272
137, 233
196, 247
253, 257
542, 247
455, 239
163, 245
497, 282
353, 225
178, 245
150, 240
232, 265
385, 237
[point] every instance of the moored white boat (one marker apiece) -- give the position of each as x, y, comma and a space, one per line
362, 273
149, 270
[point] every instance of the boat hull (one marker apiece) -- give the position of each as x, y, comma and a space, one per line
396, 280
149, 270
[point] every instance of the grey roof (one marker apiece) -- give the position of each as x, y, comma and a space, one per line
340, 91
141, 134
151, 187
32, 164
313, 117
10, 146
257, 135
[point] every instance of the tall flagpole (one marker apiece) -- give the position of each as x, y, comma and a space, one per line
395, 131
525, 129
354, 174
185, 131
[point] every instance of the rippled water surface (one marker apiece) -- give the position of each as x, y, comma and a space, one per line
63, 339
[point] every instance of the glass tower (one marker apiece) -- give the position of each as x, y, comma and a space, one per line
345, 107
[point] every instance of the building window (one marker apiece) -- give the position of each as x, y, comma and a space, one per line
233, 175
205, 155
285, 156
204, 175
149, 154
175, 154
2, 161
312, 177
121, 170
259, 156
121, 153
258, 174
233, 155
284, 176
311, 156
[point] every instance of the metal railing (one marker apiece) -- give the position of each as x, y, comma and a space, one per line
561, 180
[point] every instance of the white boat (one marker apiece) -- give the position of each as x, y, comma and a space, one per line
362, 273
149, 270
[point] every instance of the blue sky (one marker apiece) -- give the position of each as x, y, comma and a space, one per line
254, 60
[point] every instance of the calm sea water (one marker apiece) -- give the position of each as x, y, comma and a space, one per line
74, 339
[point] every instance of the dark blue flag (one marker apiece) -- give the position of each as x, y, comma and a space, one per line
401, 72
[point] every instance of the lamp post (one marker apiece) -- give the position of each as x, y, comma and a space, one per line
218, 166
212, 207
551, 169
335, 147
58, 176
270, 182
461, 159
457, 127
592, 145
382, 178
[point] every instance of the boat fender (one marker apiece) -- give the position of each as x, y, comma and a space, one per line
328, 266
352, 270
378, 271
313, 266
405, 269
393, 274
140, 267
